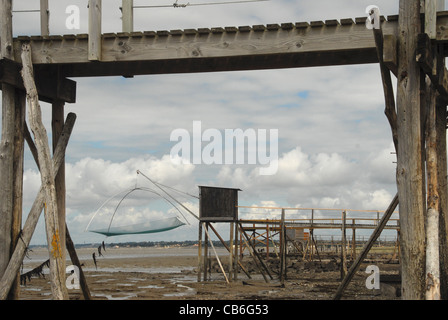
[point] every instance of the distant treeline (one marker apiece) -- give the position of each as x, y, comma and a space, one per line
186, 243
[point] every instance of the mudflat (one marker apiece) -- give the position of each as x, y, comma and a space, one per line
149, 273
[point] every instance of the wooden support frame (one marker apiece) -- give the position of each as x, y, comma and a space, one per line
373, 237
34, 214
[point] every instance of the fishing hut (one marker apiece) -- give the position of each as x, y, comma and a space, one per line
411, 46
217, 205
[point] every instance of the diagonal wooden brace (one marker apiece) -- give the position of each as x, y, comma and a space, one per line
33, 217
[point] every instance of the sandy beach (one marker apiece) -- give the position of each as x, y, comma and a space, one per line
171, 274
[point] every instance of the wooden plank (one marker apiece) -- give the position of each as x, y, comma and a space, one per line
127, 11
94, 41
409, 154
57, 270
34, 214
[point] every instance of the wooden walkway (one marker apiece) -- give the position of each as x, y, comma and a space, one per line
272, 46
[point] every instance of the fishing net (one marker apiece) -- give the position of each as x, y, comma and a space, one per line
142, 228
126, 213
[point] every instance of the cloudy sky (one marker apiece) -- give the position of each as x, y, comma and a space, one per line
334, 142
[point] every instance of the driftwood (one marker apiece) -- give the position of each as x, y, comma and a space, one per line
57, 269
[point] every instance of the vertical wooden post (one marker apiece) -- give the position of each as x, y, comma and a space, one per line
282, 248
205, 251
94, 30
431, 18
235, 254
432, 220
44, 18
343, 247
127, 10
409, 154
57, 125
443, 196
7, 139
353, 241
200, 252
231, 262
20, 109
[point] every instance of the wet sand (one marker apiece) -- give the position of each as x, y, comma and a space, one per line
171, 274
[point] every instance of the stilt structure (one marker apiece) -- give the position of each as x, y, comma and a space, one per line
411, 45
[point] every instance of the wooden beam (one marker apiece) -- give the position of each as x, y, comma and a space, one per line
34, 214
299, 45
50, 85
94, 46
410, 180
57, 270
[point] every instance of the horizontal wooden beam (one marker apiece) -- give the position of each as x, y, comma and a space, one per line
287, 45
50, 85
